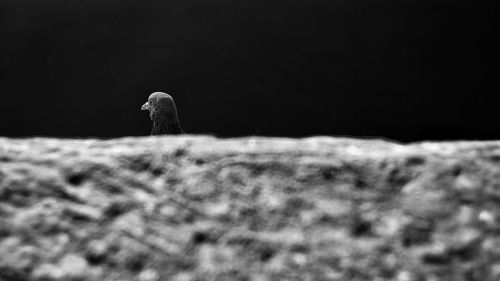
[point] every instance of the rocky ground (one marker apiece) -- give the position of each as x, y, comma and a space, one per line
200, 208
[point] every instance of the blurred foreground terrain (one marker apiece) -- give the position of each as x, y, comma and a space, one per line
200, 208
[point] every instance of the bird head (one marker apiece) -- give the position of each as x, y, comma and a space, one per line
161, 106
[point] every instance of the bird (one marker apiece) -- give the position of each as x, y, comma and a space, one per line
163, 113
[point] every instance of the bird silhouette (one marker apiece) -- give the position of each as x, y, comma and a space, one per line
163, 113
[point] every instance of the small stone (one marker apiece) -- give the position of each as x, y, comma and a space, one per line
74, 266
406, 276
495, 271
96, 251
82, 212
260, 277
299, 259
466, 215
183, 276
148, 275
168, 211
131, 223
206, 258
464, 182
47, 271
487, 217
218, 209
466, 237
492, 246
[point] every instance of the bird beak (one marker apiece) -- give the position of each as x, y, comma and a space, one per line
145, 106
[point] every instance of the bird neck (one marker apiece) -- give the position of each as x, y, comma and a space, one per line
163, 126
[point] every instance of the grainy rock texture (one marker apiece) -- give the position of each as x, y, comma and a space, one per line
200, 208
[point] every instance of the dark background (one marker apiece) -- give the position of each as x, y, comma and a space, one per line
406, 70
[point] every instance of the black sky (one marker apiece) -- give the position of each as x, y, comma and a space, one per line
406, 70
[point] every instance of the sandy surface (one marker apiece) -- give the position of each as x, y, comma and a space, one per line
200, 208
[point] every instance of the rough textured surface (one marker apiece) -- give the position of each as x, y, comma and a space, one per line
201, 208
